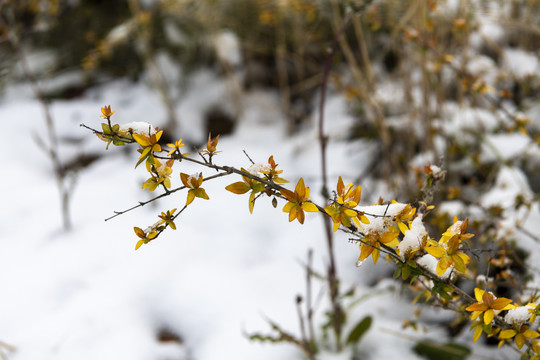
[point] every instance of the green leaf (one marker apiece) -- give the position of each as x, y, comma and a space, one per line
257, 187
238, 188
397, 272
443, 290
200, 193
167, 183
359, 330
434, 351
405, 272
106, 128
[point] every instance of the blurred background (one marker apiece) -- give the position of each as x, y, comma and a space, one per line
400, 90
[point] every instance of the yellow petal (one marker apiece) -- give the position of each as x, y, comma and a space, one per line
300, 189
519, 340
300, 216
251, 202
145, 152
466, 259
330, 210
488, 316
140, 233
530, 334
476, 314
390, 239
507, 334
364, 219
141, 139
349, 212
190, 196
375, 255
288, 206
340, 186
437, 252
477, 333
288, 194
443, 265
403, 227
365, 251
479, 294
502, 304
309, 207
293, 213
201, 193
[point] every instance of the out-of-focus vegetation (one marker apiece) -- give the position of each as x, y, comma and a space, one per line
427, 81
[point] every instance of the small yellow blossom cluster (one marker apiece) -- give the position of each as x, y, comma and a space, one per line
517, 320
159, 167
447, 250
150, 233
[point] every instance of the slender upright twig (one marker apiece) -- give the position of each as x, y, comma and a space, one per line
65, 183
333, 282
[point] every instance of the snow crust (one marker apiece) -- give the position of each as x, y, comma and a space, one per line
413, 238
518, 315
139, 127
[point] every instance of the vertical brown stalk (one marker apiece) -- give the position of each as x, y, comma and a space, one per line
65, 188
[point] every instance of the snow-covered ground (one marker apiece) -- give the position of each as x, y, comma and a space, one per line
87, 294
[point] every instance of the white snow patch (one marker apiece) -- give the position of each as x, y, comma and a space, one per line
227, 47
521, 63
430, 262
380, 216
413, 238
502, 147
510, 183
518, 315
139, 127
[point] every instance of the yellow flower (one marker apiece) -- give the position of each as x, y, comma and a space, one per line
488, 305
458, 229
176, 147
193, 182
447, 250
272, 174
106, 111
298, 202
160, 174
520, 335
168, 218
149, 146
371, 244
341, 212
211, 146
405, 214
242, 187
145, 238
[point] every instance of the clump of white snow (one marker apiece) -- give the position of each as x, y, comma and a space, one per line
518, 315
413, 238
380, 216
430, 262
257, 168
227, 47
521, 63
510, 183
139, 127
